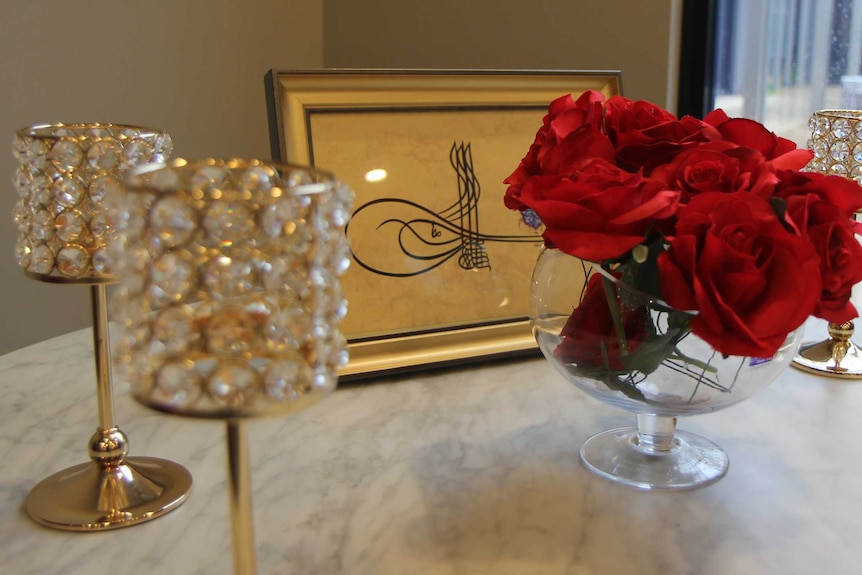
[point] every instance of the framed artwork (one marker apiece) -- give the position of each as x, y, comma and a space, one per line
441, 269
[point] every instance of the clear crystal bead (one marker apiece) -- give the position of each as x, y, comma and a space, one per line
66, 154
821, 126
332, 349
257, 179
210, 179
70, 226
839, 151
69, 190
127, 216
162, 148
857, 153
286, 273
22, 252
838, 170
99, 224
102, 187
229, 275
233, 384
172, 220
229, 222
42, 226
821, 148
101, 262
177, 384
287, 378
231, 331
21, 180
260, 306
337, 213
299, 238
21, 217
105, 154
137, 152
41, 259
172, 278
37, 153
20, 148
173, 331
73, 261
815, 165
296, 178
840, 128
41, 198
288, 328
282, 217
336, 254
128, 133
323, 379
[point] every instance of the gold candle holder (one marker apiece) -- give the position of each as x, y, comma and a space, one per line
836, 140
65, 175
229, 298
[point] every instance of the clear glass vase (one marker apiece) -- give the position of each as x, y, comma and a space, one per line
634, 352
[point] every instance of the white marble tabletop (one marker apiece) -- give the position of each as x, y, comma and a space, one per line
466, 471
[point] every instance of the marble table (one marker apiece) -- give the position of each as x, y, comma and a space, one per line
462, 471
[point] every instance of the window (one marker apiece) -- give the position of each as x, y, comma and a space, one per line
779, 61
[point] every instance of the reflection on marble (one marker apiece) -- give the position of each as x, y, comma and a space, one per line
463, 471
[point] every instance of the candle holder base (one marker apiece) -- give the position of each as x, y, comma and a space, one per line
96, 497
835, 357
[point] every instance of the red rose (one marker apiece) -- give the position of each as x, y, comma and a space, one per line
645, 136
821, 208
600, 212
753, 134
589, 336
718, 167
750, 279
565, 117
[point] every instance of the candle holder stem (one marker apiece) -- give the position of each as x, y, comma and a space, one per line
112, 490
104, 387
242, 519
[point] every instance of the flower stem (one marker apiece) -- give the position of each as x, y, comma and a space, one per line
616, 314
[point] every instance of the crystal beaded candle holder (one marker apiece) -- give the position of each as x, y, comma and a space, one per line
836, 140
229, 294
65, 173
230, 298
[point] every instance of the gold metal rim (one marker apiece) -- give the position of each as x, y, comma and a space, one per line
51, 279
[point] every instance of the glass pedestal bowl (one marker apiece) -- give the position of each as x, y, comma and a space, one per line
637, 354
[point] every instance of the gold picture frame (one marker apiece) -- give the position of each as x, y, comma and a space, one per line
427, 285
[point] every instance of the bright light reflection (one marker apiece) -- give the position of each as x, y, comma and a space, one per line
376, 175
505, 302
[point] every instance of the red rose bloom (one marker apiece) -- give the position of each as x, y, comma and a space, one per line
645, 136
565, 116
750, 279
751, 134
600, 212
589, 336
821, 208
718, 167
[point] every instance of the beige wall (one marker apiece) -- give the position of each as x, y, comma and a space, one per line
193, 67
635, 36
